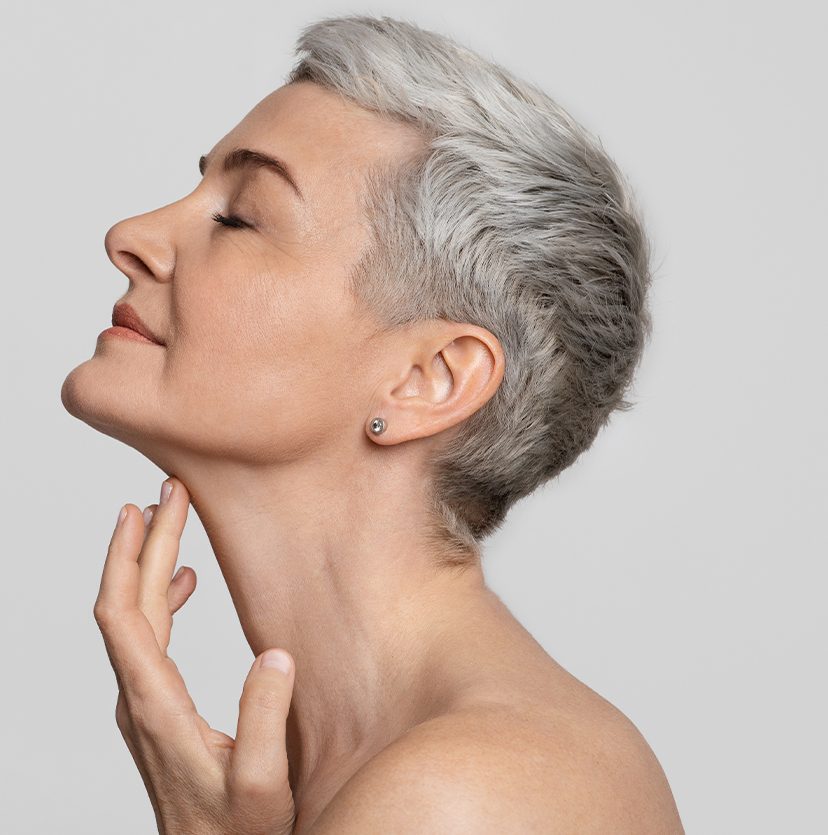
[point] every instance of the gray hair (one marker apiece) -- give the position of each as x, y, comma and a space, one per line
513, 218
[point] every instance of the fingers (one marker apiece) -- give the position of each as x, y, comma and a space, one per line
259, 765
129, 638
183, 583
159, 552
119, 579
181, 587
140, 666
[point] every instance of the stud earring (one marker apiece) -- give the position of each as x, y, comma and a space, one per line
378, 426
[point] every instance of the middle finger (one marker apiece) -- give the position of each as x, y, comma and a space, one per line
159, 555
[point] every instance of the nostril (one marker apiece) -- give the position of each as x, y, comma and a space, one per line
132, 261
130, 264
141, 248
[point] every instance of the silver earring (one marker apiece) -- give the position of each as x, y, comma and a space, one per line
378, 426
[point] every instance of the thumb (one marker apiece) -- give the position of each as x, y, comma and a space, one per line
259, 766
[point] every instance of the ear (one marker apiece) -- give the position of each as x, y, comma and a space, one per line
454, 370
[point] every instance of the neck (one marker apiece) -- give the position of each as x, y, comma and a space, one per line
330, 566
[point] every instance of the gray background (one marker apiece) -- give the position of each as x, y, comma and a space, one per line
678, 567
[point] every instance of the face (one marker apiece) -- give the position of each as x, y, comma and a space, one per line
265, 354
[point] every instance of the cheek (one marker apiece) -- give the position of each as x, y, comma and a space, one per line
225, 310
253, 351
258, 349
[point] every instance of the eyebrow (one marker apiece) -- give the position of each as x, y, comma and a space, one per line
240, 158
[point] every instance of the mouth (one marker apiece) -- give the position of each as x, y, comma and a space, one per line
124, 316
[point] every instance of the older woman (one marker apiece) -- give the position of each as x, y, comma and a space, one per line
408, 290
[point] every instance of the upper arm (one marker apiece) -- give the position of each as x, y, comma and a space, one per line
502, 779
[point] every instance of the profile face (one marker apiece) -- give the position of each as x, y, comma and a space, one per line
264, 353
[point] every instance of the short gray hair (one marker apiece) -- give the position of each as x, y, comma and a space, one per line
514, 219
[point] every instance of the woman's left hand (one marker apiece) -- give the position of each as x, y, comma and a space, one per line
199, 780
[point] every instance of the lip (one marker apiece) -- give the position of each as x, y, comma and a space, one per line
124, 316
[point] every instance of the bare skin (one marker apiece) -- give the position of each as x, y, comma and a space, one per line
259, 404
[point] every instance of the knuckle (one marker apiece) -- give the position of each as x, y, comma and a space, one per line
141, 715
250, 788
166, 532
262, 698
143, 719
103, 614
122, 717
154, 601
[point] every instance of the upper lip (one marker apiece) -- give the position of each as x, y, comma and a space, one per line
124, 315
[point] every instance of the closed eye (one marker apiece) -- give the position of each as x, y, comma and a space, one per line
232, 221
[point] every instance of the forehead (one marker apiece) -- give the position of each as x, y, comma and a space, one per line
326, 140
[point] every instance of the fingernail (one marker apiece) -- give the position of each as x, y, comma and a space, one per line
121, 516
148, 511
166, 489
276, 658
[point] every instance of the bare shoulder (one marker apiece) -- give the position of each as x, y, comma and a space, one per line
496, 768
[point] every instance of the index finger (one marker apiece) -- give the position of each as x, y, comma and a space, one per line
141, 668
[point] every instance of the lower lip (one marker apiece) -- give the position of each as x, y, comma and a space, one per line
126, 333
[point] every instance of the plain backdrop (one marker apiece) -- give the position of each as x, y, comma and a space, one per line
678, 568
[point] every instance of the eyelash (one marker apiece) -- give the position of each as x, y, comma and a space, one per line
231, 221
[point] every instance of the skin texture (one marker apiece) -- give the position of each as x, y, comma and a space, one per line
417, 702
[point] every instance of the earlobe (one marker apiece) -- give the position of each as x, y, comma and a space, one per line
377, 426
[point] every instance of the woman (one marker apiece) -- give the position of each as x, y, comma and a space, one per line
408, 290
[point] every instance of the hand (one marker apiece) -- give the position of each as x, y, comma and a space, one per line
200, 781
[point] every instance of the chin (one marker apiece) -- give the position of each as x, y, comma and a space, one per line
72, 390
99, 397
97, 393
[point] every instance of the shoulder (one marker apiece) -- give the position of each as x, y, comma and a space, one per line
497, 769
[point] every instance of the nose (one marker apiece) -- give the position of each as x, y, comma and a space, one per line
141, 247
